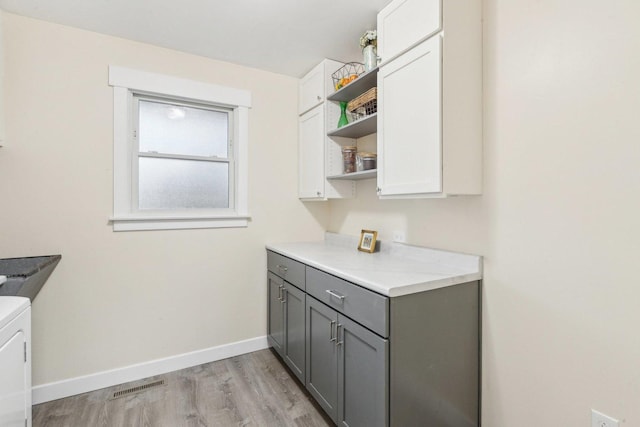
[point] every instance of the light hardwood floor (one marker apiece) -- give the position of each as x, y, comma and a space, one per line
254, 389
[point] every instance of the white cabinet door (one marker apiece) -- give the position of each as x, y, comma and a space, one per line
13, 384
403, 23
312, 89
410, 122
311, 154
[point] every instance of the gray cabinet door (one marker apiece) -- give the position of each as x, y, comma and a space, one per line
322, 356
294, 349
275, 333
363, 376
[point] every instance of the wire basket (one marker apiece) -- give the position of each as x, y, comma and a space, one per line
345, 74
364, 105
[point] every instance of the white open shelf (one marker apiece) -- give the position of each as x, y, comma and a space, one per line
357, 129
356, 176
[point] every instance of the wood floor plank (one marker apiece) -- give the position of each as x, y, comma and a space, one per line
253, 389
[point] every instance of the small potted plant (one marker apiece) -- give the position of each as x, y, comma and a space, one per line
369, 44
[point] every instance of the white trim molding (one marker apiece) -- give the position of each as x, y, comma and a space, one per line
70, 387
143, 81
125, 83
137, 223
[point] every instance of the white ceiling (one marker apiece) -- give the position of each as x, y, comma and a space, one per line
284, 36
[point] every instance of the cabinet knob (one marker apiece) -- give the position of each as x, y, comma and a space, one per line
318, 193
378, 190
319, 97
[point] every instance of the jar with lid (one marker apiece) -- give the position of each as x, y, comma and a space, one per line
349, 158
366, 161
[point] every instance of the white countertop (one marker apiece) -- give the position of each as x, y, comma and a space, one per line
396, 270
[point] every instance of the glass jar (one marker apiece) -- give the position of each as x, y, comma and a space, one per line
366, 161
349, 158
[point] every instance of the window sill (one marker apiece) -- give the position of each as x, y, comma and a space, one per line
141, 223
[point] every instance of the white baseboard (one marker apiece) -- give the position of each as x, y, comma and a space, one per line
59, 389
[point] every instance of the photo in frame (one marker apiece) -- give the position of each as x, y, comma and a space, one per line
368, 241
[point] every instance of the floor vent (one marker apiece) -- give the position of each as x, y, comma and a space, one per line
137, 389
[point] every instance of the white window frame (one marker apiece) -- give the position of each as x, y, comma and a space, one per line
125, 83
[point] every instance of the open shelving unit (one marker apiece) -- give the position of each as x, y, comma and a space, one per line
354, 130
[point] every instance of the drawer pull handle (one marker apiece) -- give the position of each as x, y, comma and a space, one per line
331, 337
333, 294
282, 268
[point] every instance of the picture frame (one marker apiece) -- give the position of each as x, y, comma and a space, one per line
368, 241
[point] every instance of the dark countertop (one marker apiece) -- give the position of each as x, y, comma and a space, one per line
27, 275
26, 266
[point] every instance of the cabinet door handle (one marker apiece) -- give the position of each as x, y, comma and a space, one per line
331, 337
334, 294
284, 296
338, 341
280, 287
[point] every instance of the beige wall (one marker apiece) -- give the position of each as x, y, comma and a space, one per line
559, 221
122, 298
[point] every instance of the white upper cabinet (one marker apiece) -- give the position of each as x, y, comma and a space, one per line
312, 91
316, 85
318, 155
409, 121
404, 23
430, 99
311, 176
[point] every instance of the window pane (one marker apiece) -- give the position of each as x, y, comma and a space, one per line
176, 129
182, 184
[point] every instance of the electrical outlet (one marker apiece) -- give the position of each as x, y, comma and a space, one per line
598, 419
399, 236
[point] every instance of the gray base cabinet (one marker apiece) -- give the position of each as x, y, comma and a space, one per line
370, 360
294, 332
346, 368
435, 357
286, 313
363, 380
275, 309
322, 356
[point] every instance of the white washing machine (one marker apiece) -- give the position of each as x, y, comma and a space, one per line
15, 361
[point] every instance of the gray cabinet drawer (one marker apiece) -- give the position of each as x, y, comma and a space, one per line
290, 270
362, 305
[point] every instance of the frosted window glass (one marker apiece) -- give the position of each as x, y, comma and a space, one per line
182, 184
176, 129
